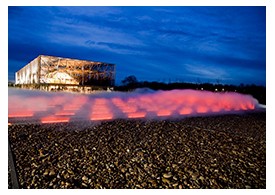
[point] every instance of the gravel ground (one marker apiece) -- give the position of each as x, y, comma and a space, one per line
226, 151
9, 178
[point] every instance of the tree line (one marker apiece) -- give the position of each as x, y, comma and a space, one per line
131, 83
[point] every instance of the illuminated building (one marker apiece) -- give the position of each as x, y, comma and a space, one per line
49, 72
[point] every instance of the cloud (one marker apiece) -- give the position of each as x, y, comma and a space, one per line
149, 42
202, 71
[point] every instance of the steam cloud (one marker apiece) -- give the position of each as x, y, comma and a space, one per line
50, 107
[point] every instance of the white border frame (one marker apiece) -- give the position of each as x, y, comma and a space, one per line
270, 182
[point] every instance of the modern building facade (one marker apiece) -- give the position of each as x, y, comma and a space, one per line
65, 72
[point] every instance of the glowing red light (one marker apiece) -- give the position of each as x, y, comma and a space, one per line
54, 119
128, 109
71, 107
209, 100
250, 106
124, 107
164, 113
202, 109
150, 108
100, 110
19, 114
104, 116
64, 113
243, 107
160, 103
185, 110
215, 108
191, 99
136, 115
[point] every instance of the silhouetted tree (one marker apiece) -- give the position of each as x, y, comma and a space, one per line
129, 81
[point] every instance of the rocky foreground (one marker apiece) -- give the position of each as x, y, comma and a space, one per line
200, 152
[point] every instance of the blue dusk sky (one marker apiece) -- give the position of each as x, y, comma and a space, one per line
166, 44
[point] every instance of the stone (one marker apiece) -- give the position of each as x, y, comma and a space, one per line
164, 180
84, 178
46, 172
175, 184
52, 172
167, 175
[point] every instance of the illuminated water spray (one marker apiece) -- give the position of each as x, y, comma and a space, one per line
48, 107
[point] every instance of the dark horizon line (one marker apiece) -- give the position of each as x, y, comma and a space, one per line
194, 83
